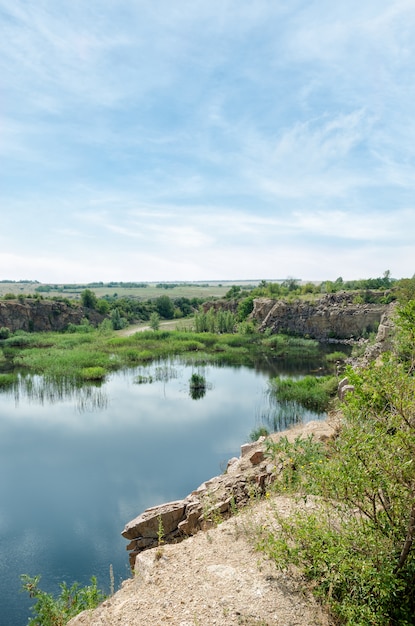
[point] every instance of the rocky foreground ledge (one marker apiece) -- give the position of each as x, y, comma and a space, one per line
245, 479
216, 577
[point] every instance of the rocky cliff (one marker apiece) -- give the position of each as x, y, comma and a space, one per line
334, 316
43, 315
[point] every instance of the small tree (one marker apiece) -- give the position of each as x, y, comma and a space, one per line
155, 321
117, 321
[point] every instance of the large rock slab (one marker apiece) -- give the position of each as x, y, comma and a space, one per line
164, 518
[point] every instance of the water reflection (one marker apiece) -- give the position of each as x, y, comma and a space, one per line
41, 390
77, 463
283, 415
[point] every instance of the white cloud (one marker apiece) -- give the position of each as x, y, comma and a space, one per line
206, 140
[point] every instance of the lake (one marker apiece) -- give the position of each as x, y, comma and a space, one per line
77, 464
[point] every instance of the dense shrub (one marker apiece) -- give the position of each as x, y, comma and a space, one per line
357, 546
4, 332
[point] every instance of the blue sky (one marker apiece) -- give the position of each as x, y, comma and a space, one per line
206, 139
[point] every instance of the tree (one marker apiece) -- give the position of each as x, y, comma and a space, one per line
234, 293
155, 321
102, 306
88, 299
117, 321
165, 307
291, 283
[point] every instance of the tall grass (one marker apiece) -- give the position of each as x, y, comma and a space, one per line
58, 355
8, 380
312, 392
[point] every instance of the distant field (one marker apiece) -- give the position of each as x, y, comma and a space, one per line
180, 290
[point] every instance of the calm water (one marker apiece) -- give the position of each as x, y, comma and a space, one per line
75, 466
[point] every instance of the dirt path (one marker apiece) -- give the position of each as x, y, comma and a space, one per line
180, 324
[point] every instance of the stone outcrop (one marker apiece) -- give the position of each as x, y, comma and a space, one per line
343, 388
246, 477
332, 317
43, 315
384, 337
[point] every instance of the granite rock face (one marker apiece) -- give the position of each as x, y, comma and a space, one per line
333, 317
43, 315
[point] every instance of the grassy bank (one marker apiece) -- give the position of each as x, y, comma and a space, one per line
92, 353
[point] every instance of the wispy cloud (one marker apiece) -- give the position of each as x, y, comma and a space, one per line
187, 139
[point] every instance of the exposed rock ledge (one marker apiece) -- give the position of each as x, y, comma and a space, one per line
332, 317
43, 315
246, 477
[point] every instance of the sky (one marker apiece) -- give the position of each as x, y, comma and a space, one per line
196, 140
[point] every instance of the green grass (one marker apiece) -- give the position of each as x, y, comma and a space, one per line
8, 380
90, 356
212, 289
312, 392
93, 373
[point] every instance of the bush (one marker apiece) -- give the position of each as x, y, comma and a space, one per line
358, 547
84, 327
333, 357
245, 307
51, 611
18, 340
7, 380
255, 434
215, 322
4, 332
